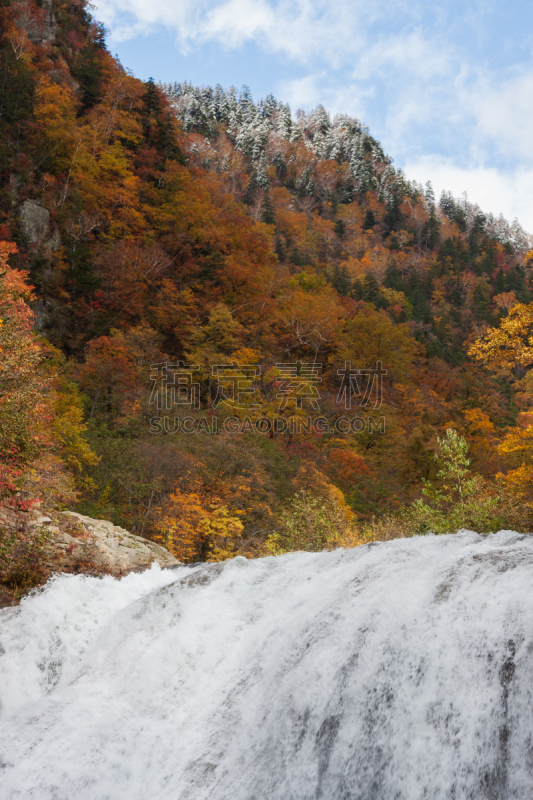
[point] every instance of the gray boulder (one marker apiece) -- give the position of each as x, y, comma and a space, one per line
42, 30
108, 547
35, 221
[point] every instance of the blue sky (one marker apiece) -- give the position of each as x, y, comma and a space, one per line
446, 87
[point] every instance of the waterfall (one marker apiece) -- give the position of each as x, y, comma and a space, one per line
394, 671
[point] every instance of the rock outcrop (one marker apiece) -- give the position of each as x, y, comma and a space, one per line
40, 29
35, 221
74, 538
65, 541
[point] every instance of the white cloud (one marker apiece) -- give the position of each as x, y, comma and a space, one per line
303, 92
509, 193
504, 113
238, 21
301, 30
437, 108
415, 53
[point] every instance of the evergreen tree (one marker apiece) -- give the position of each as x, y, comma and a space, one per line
87, 68
158, 124
341, 280
369, 221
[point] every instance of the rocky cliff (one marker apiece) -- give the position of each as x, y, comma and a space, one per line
34, 545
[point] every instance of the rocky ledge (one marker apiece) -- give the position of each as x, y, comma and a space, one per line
108, 547
65, 541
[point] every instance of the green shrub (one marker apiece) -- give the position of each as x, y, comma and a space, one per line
457, 499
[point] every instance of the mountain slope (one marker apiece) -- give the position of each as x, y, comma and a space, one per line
180, 225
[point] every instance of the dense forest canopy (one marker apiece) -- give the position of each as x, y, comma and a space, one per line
160, 226
261, 130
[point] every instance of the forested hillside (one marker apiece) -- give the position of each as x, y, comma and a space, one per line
166, 228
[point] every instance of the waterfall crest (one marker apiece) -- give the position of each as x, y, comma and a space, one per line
395, 670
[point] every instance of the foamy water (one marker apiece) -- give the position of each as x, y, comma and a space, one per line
396, 671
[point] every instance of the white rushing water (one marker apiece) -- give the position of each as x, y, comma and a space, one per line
395, 671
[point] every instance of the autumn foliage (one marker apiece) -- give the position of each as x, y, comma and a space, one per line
191, 226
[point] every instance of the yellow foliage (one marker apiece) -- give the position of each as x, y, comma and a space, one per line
517, 447
194, 527
318, 517
376, 262
505, 300
480, 434
478, 422
55, 110
311, 320
517, 441
519, 481
68, 433
246, 356
371, 336
509, 346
